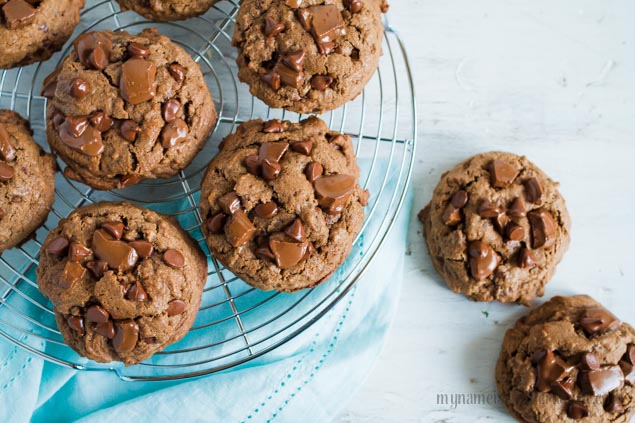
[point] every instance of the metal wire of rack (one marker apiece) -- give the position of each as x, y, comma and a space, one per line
236, 323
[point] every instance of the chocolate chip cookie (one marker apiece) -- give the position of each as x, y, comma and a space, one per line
32, 30
282, 204
308, 56
27, 181
125, 281
569, 359
123, 108
496, 228
167, 10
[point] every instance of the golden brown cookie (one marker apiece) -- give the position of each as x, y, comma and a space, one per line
167, 10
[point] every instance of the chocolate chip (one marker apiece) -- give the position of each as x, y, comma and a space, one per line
459, 199
138, 80
302, 147
353, 6
501, 221
321, 82
294, 61
7, 150
533, 190
334, 191
517, 208
252, 163
272, 27
326, 25
483, 260
589, 361
563, 388
613, 405
129, 130
77, 134
98, 59
79, 88
515, 232
58, 246
78, 252
296, 231
114, 228
229, 203
550, 367
451, 215
170, 109
601, 381
273, 151
138, 50
313, 171
288, 76
287, 253
597, 321
76, 323
118, 254
543, 228
628, 369
126, 336
270, 169
18, 13
100, 121
265, 253
77, 125
177, 72
488, 210
216, 223
86, 44
502, 173
175, 307
98, 267
266, 210
73, 272
49, 85
526, 259
136, 293
144, 248
272, 79
106, 329
97, 314
173, 133
577, 410
630, 354
6, 172
240, 230
174, 258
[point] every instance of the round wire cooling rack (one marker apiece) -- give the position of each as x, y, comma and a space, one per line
236, 323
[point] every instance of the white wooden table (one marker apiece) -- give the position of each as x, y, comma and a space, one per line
551, 79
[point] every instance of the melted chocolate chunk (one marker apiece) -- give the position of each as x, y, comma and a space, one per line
144, 248
321, 82
136, 293
129, 130
216, 223
177, 72
597, 321
601, 381
173, 133
240, 229
18, 13
334, 191
175, 307
93, 50
577, 410
273, 126
118, 254
533, 190
114, 228
138, 80
98, 267
302, 147
58, 246
79, 88
313, 171
78, 252
483, 260
174, 258
170, 109
97, 314
272, 27
266, 210
502, 174
287, 252
550, 368
325, 23
73, 272
295, 231
229, 203
126, 336
544, 228
76, 323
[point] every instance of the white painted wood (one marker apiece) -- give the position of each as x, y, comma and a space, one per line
551, 79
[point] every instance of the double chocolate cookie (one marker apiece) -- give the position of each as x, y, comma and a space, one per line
27, 181
282, 204
125, 281
569, 359
496, 228
123, 108
32, 30
167, 10
308, 56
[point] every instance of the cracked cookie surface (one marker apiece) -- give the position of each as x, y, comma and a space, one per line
282, 204
27, 181
568, 360
496, 228
123, 108
167, 10
308, 56
125, 281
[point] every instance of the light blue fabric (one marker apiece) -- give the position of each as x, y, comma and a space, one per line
308, 379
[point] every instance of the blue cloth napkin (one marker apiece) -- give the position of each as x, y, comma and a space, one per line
309, 379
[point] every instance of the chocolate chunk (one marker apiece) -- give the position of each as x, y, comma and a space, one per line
597, 321
272, 27
86, 44
173, 133
550, 368
589, 361
526, 259
544, 228
73, 272
502, 174
174, 258
175, 307
118, 254
353, 6
483, 260
98, 267
77, 125
114, 228
97, 314
6, 172
129, 130
302, 147
334, 191
252, 163
451, 215
326, 25
144, 248
577, 410
100, 121
98, 59
126, 336
563, 388
58, 246
272, 79
78, 252
273, 126
533, 190
601, 381
515, 232
273, 151
136, 293
18, 13
287, 253
517, 208
265, 253
138, 80
229, 203
177, 72
76, 323
630, 354
49, 85
270, 169
170, 109
7, 150
296, 231
266, 210
321, 82
240, 230
459, 199
216, 223
79, 88
294, 61
77, 134
313, 171
613, 404
488, 210
628, 370
106, 329
137, 50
